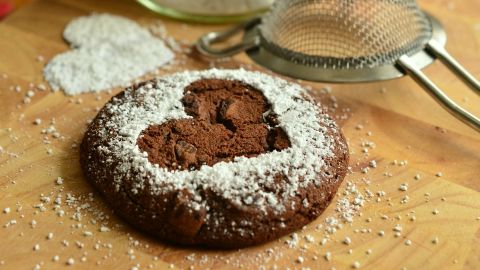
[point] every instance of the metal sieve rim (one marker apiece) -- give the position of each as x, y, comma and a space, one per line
268, 56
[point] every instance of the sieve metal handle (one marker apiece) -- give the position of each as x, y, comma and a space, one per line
204, 42
442, 54
408, 65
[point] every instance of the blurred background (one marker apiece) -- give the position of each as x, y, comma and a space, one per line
206, 11
7, 6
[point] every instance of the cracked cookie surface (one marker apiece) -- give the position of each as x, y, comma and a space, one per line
230, 119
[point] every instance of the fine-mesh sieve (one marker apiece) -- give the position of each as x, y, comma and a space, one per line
347, 41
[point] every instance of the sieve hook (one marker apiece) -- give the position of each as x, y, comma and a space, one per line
204, 43
409, 66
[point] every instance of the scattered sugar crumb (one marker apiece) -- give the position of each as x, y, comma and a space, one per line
70, 261
403, 187
300, 259
59, 181
10, 223
328, 256
30, 93
37, 121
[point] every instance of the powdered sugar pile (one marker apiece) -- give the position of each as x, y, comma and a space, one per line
242, 181
109, 51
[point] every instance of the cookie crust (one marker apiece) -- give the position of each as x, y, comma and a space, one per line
231, 203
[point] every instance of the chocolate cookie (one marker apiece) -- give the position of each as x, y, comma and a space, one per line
218, 158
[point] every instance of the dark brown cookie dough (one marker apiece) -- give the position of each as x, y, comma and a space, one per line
229, 119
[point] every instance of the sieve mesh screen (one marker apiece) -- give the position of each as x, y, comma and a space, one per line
345, 34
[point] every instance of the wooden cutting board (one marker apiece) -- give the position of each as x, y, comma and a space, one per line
402, 129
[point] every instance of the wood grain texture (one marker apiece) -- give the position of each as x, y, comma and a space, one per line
404, 124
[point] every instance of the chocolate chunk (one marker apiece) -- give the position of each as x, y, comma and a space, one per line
278, 139
272, 119
186, 154
185, 220
229, 110
191, 104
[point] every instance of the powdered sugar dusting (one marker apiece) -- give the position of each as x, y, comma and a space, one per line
103, 28
110, 51
242, 181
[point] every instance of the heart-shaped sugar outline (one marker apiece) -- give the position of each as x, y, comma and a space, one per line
229, 119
